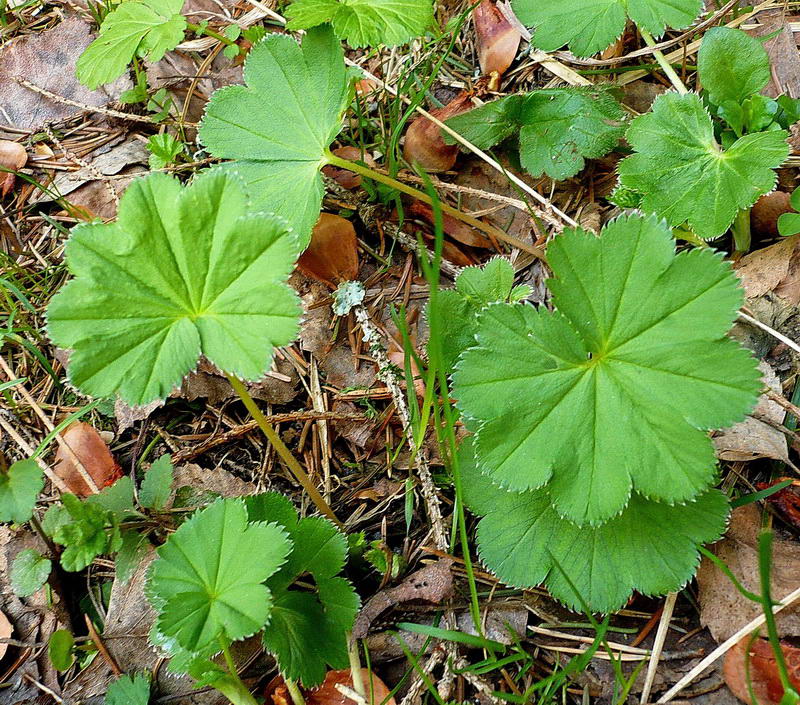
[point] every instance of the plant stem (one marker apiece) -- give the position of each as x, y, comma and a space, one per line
741, 231
425, 198
231, 686
294, 691
663, 63
355, 666
197, 29
280, 447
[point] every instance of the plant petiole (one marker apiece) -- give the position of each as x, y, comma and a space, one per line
197, 29
658, 55
425, 198
294, 692
741, 231
280, 447
231, 686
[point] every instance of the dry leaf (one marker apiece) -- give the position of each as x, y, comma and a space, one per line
277, 693
332, 255
424, 144
785, 501
782, 50
457, 229
93, 453
763, 670
12, 156
497, 40
766, 211
6, 630
773, 269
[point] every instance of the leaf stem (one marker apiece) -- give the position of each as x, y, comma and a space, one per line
280, 447
231, 686
425, 198
294, 691
197, 29
741, 231
658, 55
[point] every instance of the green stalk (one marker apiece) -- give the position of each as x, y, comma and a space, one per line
741, 231
294, 691
425, 198
355, 665
197, 29
666, 67
231, 686
280, 447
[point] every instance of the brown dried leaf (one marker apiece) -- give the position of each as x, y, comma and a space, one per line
763, 670
332, 255
457, 229
6, 630
497, 40
424, 144
783, 57
785, 501
773, 269
93, 453
766, 211
12, 156
277, 693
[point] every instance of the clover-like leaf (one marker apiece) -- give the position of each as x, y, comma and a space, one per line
686, 177
558, 128
29, 571
364, 22
184, 271
589, 26
149, 28
614, 391
19, 486
650, 547
279, 127
207, 580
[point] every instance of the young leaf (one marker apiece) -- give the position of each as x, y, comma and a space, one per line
184, 271
683, 174
278, 128
19, 486
157, 484
87, 530
148, 28
163, 149
29, 572
129, 690
613, 391
207, 580
59, 648
116, 498
475, 288
589, 26
558, 128
732, 65
649, 547
364, 23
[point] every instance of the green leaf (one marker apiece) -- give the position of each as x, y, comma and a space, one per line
615, 390
649, 547
163, 149
364, 23
157, 484
129, 690
458, 308
319, 549
29, 572
589, 26
558, 128
683, 174
88, 531
272, 506
278, 128
59, 648
207, 580
184, 271
19, 487
148, 28
117, 498
732, 65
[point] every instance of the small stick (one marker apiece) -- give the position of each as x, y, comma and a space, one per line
775, 334
658, 645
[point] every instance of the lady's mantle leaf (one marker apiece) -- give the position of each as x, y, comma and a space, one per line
685, 175
149, 28
129, 690
650, 547
558, 128
614, 391
184, 271
589, 26
365, 22
278, 128
19, 486
207, 580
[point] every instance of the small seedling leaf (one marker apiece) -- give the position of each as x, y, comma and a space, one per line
157, 484
685, 176
29, 571
589, 26
129, 690
19, 486
148, 28
364, 22
636, 353
184, 271
59, 648
207, 580
278, 128
86, 529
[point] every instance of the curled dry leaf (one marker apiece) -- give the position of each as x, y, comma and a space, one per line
277, 693
785, 501
497, 40
6, 629
12, 156
93, 452
332, 255
456, 229
763, 670
348, 179
766, 211
424, 144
